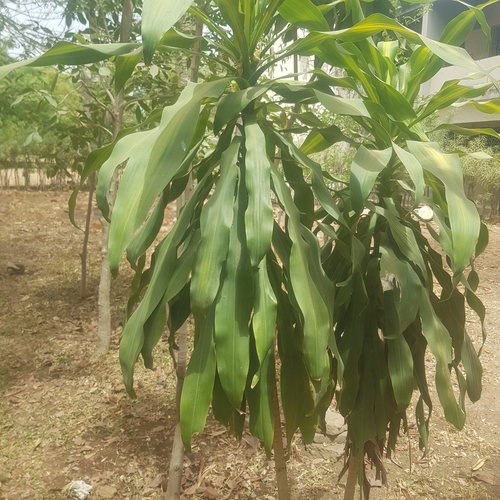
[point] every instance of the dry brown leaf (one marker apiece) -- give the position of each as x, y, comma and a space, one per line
395, 462
158, 429
252, 441
483, 478
405, 493
106, 491
154, 482
479, 464
78, 440
210, 493
232, 484
219, 433
112, 440
192, 490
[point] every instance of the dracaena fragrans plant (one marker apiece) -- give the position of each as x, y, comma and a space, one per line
352, 289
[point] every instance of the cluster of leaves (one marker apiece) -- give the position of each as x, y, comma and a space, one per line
345, 288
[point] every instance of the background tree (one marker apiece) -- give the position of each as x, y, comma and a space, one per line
35, 109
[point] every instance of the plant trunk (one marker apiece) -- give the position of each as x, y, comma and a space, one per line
352, 475
104, 312
279, 451
26, 175
177, 458
83, 255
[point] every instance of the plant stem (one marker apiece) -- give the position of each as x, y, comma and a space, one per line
83, 255
352, 474
177, 457
104, 302
279, 452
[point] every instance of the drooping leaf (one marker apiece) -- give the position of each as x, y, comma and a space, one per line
260, 404
463, 216
216, 220
400, 365
158, 16
198, 383
304, 14
73, 54
366, 166
415, 171
316, 315
146, 236
296, 398
234, 304
125, 65
473, 369
264, 315
440, 345
234, 103
259, 213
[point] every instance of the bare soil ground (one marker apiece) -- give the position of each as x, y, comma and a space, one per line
64, 414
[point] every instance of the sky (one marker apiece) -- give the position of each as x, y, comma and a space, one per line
24, 16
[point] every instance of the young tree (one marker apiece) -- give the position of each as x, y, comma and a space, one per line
353, 316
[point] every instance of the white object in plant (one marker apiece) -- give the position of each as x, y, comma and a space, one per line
425, 213
79, 490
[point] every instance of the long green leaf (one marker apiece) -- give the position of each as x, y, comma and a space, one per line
316, 315
264, 315
415, 171
216, 220
234, 304
341, 106
72, 54
158, 16
450, 93
296, 398
400, 365
147, 234
440, 345
259, 213
473, 369
260, 403
234, 103
125, 65
198, 383
402, 234
361, 421
464, 218
304, 14
366, 166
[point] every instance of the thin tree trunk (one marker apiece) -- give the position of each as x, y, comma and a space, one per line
177, 458
104, 303
352, 475
279, 451
173, 491
26, 175
83, 255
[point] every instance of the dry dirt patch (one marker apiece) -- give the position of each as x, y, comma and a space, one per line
65, 416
